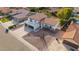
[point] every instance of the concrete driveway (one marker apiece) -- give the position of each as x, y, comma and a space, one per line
20, 32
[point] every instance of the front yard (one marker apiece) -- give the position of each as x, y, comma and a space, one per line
4, 20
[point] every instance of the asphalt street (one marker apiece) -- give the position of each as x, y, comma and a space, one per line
10, 43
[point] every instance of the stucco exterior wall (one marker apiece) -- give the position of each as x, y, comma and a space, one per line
35, 24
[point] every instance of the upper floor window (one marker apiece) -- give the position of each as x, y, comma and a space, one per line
30, 20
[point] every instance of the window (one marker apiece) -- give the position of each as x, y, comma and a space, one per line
30, 20
31, 27
25, 24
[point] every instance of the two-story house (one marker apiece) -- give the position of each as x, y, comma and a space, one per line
34, 21
40, 20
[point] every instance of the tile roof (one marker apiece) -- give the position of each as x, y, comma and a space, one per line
73, 30
13, 11
4, 10
38, 16
54, 9
51, 21
22, 13
69, 34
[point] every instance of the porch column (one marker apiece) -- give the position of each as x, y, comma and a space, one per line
41, 26
34, 29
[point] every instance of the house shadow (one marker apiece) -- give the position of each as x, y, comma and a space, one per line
70, 46
43, 32
28, 29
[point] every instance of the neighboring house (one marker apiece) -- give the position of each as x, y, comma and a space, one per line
5, 10
13, 11
51, 23
76, 10
20, 16
54, 9
34, 21
71, 37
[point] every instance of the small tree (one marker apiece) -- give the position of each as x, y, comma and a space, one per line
64, 14
62, 22
9, 16
43, 8
34, 9
48, 14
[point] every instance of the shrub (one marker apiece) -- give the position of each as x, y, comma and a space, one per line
4, 20
64, 13
12, 27
49, 14
34, 9
8, 16
42, 8
62, 22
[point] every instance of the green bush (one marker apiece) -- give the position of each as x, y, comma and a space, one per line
49, 14
42, 8
8, 16
4, 20
12, 27
62, 22
64, 13
34, 9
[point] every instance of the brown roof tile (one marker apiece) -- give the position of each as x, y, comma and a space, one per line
54, 9
5, 10
13, 11
71, 28
69, 34
22, 13
51, 21
38, 16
